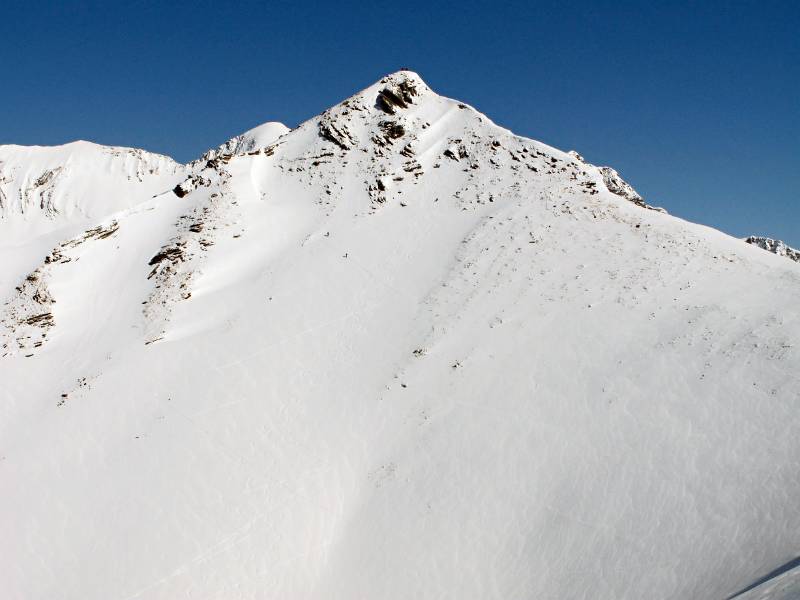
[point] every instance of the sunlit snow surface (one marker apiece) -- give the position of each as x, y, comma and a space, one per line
397, 352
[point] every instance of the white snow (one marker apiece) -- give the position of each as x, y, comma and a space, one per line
397, 352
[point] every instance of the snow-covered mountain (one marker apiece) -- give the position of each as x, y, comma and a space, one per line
42, 188
396, 352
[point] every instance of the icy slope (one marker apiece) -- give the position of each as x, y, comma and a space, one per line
399, 352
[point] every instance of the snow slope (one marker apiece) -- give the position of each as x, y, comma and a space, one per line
397, 352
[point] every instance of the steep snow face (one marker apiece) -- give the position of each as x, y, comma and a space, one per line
397, 352
774, 246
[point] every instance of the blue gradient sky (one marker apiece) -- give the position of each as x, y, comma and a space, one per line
696, 104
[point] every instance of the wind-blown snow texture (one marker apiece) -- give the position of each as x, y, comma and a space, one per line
397, 352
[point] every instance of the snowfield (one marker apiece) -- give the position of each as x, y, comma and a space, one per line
397, 352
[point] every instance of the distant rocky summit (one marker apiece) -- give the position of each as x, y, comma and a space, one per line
775, 246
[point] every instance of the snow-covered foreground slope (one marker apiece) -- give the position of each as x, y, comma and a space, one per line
398, 353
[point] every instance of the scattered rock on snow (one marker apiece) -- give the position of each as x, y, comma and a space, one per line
335, 132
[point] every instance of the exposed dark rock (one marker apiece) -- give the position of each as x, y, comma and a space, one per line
399, 95
392, 130
338, 134
195, 181
173, 254
43, 319
101, 232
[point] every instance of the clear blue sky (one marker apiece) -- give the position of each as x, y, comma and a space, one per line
696, 104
